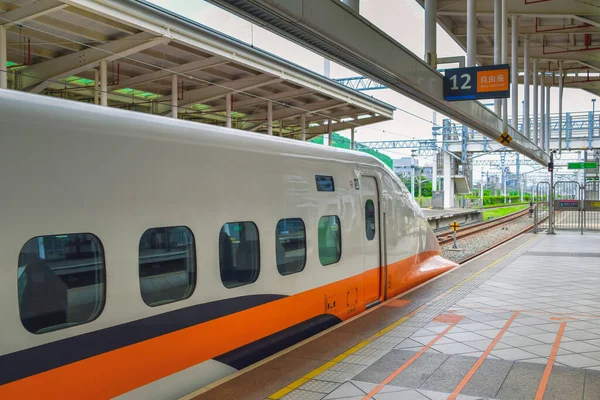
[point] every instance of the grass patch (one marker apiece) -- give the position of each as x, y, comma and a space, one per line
500, 212
504, 205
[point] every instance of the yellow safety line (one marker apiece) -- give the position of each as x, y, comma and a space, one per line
294, 385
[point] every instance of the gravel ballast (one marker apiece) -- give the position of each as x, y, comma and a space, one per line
485, 239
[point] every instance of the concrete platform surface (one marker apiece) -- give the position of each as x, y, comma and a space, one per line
439, 219
521, 322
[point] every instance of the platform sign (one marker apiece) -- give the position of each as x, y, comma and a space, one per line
590, 205
583, 165
566, 204
472, 83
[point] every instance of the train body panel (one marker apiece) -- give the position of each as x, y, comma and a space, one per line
126, 181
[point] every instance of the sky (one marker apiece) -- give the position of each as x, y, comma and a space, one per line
403, 20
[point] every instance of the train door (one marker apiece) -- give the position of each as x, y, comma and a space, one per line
371, 239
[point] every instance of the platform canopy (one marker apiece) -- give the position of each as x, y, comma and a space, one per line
557, 30
55, 48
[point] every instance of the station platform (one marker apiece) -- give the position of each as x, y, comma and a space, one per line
519, 322
441, 219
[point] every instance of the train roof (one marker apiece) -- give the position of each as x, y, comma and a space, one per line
48, 112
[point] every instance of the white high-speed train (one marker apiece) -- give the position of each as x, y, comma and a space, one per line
144, 257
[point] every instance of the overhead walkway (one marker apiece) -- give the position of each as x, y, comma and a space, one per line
338, 33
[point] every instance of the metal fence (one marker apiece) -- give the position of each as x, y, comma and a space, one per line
541, 206
575, 207
591, 206
567, 205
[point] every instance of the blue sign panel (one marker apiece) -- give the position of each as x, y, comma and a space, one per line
473, 83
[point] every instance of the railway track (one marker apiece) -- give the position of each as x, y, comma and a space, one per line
448, 236
443, 237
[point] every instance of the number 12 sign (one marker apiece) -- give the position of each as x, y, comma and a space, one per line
472, 83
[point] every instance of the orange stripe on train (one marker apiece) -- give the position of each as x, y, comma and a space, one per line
119, 371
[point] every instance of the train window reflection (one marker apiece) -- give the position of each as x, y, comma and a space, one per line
290, 246
324, 183
370, 219
167, 265
60, 281
330, 239
239, 254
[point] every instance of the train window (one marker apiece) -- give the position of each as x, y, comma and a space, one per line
370, 219
167, 265
239, 254
290, 245
61, 281
325, 183
330, 239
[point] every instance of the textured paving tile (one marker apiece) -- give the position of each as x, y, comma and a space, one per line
464, 336
449, 374
418, 372
488, 378
565, 384
584, 335
513, 354
382, 368
347, 367
319, 386
453, 348
525, 330
408, 343
549, 338
474, 326
519, 341
424, 340
404, 395
591, 389
577, 361
579, 347
347, 389
521, 382
334, 376
303, 395
543, 350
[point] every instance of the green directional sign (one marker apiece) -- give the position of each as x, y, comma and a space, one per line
583, 165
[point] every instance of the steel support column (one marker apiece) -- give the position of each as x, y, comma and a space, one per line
590, 128
270, 118
514, 65
471, 33
548, 127
228, 110
560, 103
103, 83
526, 61
497, 46
330, 132
3, 59
535, 106
174, 96
448, 184
504, 61
303, 127
96, 86
434, 171
568, 131
430, 32
542, 142
352, 142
